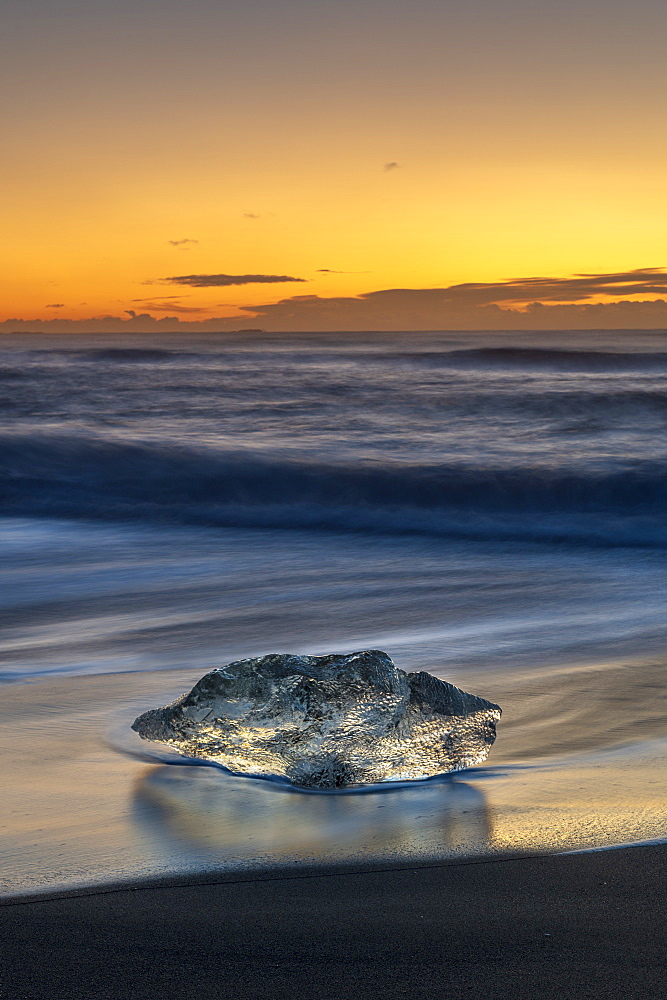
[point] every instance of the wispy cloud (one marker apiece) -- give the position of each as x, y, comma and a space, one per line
183, 244
163, 298
168, 305
577, 288
223, 280
329, 270
251, 215
393, 165
55, 305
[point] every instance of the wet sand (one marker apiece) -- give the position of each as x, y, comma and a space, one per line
82, 808
577, 926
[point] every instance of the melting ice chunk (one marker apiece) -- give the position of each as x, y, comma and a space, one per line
326, 721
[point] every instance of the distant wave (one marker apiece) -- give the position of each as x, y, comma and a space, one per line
542, 358
81, 477
141, 354
508, 357
8, 374
119, 354
13, 361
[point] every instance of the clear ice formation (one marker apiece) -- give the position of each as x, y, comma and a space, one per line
325, 722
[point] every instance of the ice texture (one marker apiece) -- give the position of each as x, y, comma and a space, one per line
326, 721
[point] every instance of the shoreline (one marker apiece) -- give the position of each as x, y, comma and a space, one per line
82, 815
307, 870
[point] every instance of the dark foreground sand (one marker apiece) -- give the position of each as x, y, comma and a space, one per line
566, 926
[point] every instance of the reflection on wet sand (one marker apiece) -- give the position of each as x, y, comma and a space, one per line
223, 816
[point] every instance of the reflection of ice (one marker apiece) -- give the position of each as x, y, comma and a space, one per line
225, 817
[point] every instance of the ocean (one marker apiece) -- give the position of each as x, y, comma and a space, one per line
488, 507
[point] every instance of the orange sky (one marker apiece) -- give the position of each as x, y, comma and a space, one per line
358, 147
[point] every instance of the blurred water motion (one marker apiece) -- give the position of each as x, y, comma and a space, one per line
481, 507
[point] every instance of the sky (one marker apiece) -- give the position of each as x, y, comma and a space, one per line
322, 165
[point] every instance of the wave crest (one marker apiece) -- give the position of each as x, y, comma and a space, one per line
80, 477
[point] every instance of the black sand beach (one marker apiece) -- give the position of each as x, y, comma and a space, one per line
577, 926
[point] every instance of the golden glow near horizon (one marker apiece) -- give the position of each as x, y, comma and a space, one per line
358, 147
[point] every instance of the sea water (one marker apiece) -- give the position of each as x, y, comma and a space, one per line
488, 507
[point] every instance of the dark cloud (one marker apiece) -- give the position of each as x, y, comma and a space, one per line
133, 321
329, 270
222, 280
526, 303
54, 305
391, 166
184, 244
250, 215
167, 305
163, 298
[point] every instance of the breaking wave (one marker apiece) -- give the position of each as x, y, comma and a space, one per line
80, 477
